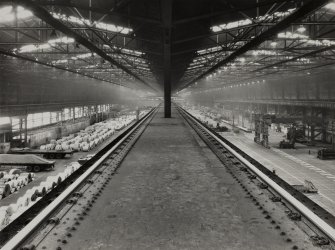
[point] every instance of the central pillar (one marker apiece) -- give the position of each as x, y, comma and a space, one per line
166, 8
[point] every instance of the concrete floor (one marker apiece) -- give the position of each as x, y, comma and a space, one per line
293, 165
171, 192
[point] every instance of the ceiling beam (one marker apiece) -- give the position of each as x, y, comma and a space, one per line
296, 58
225, 12
34, 60
44, 15
303, 11
101, 11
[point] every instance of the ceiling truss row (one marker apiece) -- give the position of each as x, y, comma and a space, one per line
123, 42
302, 40
89, 51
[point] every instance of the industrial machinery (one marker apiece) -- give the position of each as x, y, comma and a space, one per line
294, 134
286, 144
85, 159
48, 154
262, 123
220, 128
291, 138
31, 163
308, 187
326, 153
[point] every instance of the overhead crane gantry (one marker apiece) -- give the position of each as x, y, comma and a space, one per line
178, 48
297, 15
48, 18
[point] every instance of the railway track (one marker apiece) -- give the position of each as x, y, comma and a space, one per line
317, 223
55, 223
73, 198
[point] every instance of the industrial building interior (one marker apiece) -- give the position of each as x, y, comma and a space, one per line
167, 124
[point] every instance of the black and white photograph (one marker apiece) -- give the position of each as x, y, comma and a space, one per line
167, 124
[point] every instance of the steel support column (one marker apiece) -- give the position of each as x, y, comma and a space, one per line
26, 131
166, 7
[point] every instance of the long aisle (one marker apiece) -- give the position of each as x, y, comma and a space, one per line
171, 192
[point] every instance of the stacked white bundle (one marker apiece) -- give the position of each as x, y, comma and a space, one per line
91, 136
30, 176
5, 189
13, 186
51, 182
12, 181
17, 211
31, 195
10, 213
41, 190
8, 177
5, 214
75, 165
21, 181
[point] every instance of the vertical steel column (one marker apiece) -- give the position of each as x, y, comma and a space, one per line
333, 135
166, 7
20, 129
26, 130
62, 117
74, 114
324, 125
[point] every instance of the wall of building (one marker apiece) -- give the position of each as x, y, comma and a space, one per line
26, 86
45, 135
277, 96
318, 86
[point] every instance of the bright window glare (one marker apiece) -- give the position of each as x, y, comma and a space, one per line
4, 120
7, 13
330, 6
244, 22
48, 45
100, 25
6, 10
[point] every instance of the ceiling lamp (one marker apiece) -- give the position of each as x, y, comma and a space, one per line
53, 34
273, 44
7, 13
301, 29
48, 45
249, 21
99, 25
330, 6
290, 35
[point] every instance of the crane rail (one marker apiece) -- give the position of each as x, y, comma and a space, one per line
36, 221
317, 218
78, 197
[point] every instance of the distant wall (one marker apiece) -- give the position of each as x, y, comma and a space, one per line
44, 135
316, 86
37, 88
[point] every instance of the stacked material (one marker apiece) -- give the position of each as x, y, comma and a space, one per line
207, 118
29, 162
13, 180
99, 131
32, 195
92, 136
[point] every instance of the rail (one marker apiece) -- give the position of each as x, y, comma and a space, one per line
19, 238
277, 186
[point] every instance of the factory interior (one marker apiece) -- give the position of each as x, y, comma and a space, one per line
167, 124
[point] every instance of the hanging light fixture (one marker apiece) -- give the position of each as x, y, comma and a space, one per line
53, 34
301, 29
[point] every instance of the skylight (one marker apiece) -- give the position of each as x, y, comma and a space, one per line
7, 13
99, 25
